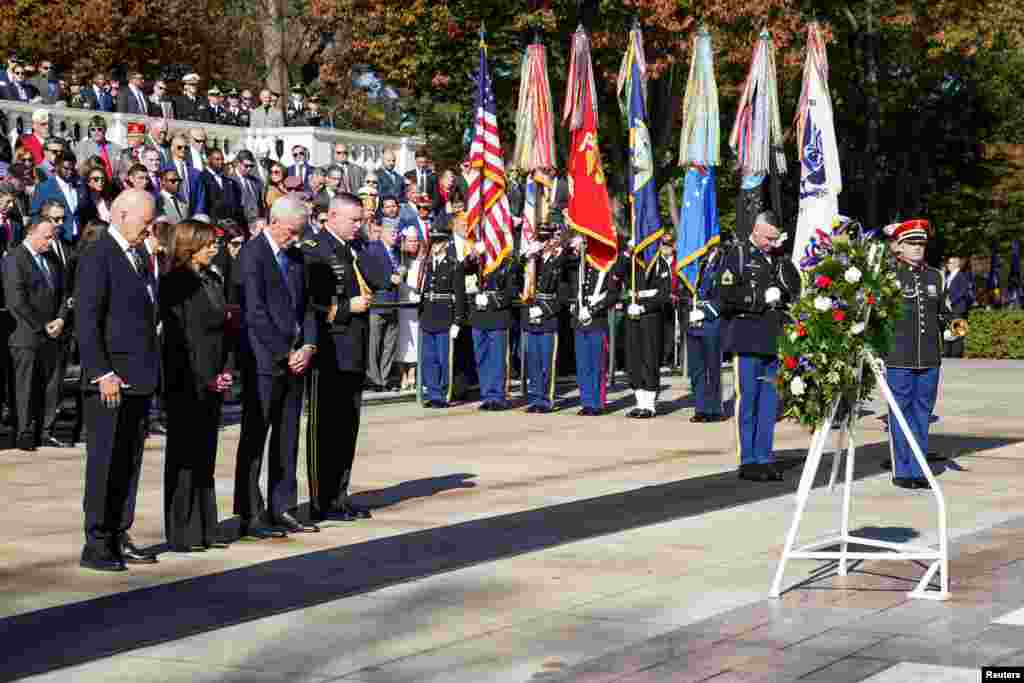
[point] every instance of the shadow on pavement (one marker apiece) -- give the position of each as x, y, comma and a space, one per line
72, 634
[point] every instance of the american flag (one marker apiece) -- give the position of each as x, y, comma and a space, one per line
487, 196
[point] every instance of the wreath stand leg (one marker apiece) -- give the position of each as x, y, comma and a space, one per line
938, 558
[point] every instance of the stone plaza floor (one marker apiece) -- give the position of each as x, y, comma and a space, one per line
515, 547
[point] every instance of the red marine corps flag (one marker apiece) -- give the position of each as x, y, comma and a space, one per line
589, 209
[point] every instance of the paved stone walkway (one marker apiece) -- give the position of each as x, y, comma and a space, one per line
514, 547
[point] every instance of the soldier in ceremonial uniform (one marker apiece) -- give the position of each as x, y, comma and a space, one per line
540, 320
235, 114
189, 106
490, 315
912, 367
704, 340
340, 289
593, 292
756, 285
442, 299
645, 330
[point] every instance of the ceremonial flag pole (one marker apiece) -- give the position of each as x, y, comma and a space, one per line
820, 175
699, 146
632, 90
1013, 282
589, 210
992, 282
489, 218
535, 132
756, 136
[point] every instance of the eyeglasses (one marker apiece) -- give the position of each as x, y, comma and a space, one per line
275, 173
59, 218
93, 130
246, 164
179, 146
96, 179
296, 155
54, 151
341, 152
19, 73
199, 141
372, 183
172, 180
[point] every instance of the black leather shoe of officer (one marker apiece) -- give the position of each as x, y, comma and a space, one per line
428, 404
486, 405
775, 471
498, 406
587, 412
903, 482
635, 412
886, 464
646, 414
286, 521
544, 410
699, 417
100, 560
714, 417
356, 510
26, 442
249, 528
921, 483
53, 442
532, 409
131, 554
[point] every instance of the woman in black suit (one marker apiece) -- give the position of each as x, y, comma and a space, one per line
95, 197
192, 309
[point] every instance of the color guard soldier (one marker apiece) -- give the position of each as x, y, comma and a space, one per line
757, 286
704, 340
912, 367
490, 314
442, 308
235, 114
540, 320
593, 292
645, 330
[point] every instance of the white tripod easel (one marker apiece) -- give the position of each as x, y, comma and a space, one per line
939, 557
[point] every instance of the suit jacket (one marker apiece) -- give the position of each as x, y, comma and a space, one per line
88, 208
51, 190
355, 176
293, 171
12, 235
266, 118
30, 299
331, 275
391, 183
116, 328
88, 148
128, 103
223, 200
10, 92
431, 183
166, 207
103, 102
275, 314
960, 294
162, 109
186, 109
378, 251
192, 310
196, 189
252, 204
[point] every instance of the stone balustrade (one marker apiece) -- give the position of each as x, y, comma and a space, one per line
365, 149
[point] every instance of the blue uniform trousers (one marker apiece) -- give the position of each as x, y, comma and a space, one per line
592, 367
704, 365
915, 392
541, 350
756, 406
491, 350
436, 372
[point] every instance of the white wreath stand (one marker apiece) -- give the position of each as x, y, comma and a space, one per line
939, 558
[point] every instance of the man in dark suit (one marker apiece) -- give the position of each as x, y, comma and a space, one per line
19, 89
96, 96
340, 282
352, 175
301, 169
132, 100
278, 343
426, 180
160, 104
383, 323
249, 185
191, 190
391, 181
34, 290
223, 198
60, 188
116, 332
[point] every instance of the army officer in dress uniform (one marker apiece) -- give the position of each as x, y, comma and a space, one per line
704, 340
540, 320
757, 286
912, 367
593, 292
645, 330
442, 309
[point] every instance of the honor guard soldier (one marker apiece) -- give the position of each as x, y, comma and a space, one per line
594, 292
340, 286
756, 287
912, 367
645, 330
236, 115
704, 340
490, 315
540, 319
442, 308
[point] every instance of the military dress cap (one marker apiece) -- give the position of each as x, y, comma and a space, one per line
314, 99
215, 91
297, 90
367, 190
545, 231
98, 122
439, 232
914, 231
233, 92
190, 78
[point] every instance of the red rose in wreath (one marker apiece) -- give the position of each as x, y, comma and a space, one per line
872, 300
801, 331
790, 362
838, 316
823, 282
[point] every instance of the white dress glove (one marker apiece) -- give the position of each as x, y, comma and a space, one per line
481, 300
585, 316
453, 332
949, 336
415, 297
696, 316
772, 295
536, 312
635, 309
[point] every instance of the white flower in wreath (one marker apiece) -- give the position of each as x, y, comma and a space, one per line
853, 275
832, 377
856, 328
792, 337
822, 303
797, 387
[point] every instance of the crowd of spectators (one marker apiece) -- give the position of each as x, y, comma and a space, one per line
25, 81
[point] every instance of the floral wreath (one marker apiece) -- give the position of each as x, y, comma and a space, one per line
850, 301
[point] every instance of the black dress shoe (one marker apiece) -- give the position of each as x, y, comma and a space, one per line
100, 560
53, 442
486, 405
587, 412
26, 443
903, 482
131, 554
428, 403
439, 404
188, 548
498, 406
635, 412
714, 417
774, 471
216, 545
921, 483
157, 428
699, 417
356, 510
252, 530
886, 464
294, 526
646, 414
544, 410
340, 513
533, 409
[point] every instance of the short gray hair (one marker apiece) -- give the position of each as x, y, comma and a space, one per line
344, 199
288, 209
